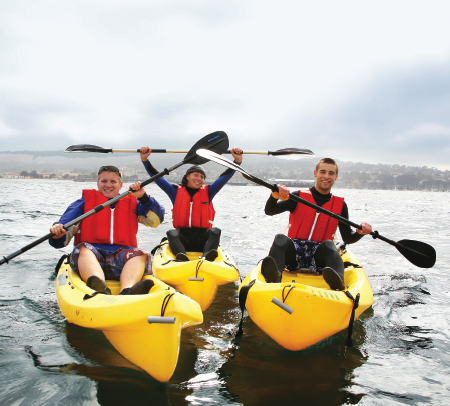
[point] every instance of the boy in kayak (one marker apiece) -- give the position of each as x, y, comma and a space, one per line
105, 243
193, 211
309, 243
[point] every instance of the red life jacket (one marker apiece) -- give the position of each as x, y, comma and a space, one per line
109, 226
195, 213
302, 219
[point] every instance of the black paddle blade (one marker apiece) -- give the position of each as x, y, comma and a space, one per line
87, 148
292, 153
418, 253
216, 142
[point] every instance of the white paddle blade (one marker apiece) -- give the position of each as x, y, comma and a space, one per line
219, 159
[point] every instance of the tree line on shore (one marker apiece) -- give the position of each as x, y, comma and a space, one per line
351, 174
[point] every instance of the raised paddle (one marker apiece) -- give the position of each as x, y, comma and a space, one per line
285, 153
216, 141
418, 253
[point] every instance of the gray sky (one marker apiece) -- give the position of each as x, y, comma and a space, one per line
355, 80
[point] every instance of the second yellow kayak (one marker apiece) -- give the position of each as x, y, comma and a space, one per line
196, 278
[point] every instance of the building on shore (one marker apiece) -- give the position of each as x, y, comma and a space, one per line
306, 183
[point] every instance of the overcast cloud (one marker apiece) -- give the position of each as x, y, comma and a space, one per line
360, 81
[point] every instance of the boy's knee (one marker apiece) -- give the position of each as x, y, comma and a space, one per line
172, 233
281, 239
216, 231
328, 245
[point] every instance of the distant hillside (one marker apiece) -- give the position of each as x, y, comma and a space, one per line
351, 174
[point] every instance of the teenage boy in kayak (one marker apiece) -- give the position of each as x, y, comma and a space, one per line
193, 211
105, 243
309, 243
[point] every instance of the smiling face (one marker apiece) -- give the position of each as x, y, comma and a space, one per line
195, 180
325, 176
109, 184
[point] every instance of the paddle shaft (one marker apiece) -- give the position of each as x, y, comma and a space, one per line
216, 142
374, 234
89, 213
167, 151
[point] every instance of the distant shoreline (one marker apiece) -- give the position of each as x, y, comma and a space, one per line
34, 179
337, 186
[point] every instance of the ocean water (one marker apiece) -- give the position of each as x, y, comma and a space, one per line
401, 354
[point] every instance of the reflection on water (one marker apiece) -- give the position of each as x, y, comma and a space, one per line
401, 345
263, 373
118, 380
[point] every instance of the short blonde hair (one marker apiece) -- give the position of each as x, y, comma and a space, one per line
109, 168
328, 161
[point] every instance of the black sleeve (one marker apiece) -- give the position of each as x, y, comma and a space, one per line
349, 236
275, 206
227, 172
144, 198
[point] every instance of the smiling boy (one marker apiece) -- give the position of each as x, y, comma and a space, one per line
105, 243
309, 244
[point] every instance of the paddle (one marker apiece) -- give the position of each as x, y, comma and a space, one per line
285, 153
418, 253
216, 141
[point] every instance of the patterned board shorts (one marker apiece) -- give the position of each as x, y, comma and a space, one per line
304, 256
112, 262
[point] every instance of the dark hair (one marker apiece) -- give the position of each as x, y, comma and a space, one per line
328, 161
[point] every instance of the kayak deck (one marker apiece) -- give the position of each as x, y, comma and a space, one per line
317, 312
196, 278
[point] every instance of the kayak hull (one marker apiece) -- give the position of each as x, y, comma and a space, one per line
197, 278
154, 347
317, 311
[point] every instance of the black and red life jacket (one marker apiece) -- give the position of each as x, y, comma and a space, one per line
197, 212
302, 219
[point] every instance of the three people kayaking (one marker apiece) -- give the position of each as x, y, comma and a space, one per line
309, 246
193, 211
106, 246
105, 243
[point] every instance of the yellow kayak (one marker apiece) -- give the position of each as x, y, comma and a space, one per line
196, 278
145, 329
302, 310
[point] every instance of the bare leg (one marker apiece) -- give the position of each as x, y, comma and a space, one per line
91, 272
88, 265
133, 271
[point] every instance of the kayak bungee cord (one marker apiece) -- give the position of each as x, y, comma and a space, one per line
165, 303
282, 293
349, 342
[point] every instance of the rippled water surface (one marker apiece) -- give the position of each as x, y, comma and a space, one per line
402, 345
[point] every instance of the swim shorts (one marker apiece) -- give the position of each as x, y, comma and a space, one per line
112, 262
304, 256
